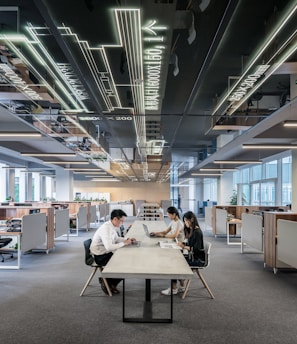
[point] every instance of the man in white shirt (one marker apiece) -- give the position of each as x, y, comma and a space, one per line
105, 241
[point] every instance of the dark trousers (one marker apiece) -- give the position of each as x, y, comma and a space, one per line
102, 260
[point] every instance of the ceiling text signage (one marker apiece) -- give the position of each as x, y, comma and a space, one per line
73, 81
18, 82
153, 55
248, 83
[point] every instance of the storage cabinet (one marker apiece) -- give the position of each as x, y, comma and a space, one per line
150, 212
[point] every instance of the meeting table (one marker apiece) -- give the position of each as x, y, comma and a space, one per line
147, 261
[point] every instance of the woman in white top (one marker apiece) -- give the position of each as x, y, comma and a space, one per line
175, 228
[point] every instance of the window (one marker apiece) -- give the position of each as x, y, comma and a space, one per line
256, 172
287, 180
270, 170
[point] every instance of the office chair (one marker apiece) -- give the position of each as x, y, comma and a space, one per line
3, 243
89, 260
207, 246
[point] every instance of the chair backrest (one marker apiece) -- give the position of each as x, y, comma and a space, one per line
89, 259
207, 247
4, 242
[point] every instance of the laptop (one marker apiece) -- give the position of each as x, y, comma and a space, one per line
147, 232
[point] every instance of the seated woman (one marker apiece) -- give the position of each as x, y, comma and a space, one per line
175, 228
193, 248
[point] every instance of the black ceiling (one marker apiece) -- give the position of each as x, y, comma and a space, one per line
228, 35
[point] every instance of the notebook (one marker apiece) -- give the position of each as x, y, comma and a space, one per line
147, 232
170, 244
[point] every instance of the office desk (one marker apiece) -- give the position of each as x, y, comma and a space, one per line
12, 234
147, 262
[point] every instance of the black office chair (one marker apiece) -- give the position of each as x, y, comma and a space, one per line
3, 243
207, 246
89, 260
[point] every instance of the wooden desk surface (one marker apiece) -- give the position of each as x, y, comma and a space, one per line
9, 233
149, 260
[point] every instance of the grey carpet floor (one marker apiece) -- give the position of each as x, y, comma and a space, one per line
41, 304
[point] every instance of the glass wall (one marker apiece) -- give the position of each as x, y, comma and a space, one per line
259, 184
287, 180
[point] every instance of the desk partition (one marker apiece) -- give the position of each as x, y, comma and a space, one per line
252, 232
34, 232
61, 222
287, 242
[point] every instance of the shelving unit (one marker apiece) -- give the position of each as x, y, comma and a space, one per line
150, 212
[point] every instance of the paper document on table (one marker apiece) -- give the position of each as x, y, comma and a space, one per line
165, 244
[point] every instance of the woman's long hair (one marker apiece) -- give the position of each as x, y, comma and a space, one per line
189, 215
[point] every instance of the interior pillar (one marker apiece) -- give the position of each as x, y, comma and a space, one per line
64, 185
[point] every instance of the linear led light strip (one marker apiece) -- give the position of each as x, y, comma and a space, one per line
18, 38
9, 41
287, 16
66, 162
207, 174
129, 23
270, 71
50, 154
20, 134
268, 146
290, 124
31, 29
105, 180
245, 162
218, 169
86, 52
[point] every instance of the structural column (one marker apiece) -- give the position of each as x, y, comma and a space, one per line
64, 185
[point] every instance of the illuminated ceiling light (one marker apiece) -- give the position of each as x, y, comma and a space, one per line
90, 172
231, 127
269, 146
104, 180
218, 169
16, 134
14, 167
91, 175
207, 174
287, 16
50, 154
237, 162
81, 169
290, 124
67, 162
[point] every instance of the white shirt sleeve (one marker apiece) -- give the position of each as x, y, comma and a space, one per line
106, 239
110, 238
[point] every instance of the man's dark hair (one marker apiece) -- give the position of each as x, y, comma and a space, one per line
118, 213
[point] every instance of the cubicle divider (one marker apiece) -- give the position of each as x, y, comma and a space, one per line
208, 217
93, 214
252, 232
61, 223
221, 218
34, 232
287, 242
21, 211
